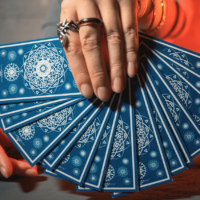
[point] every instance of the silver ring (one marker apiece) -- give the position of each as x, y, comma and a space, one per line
63, 28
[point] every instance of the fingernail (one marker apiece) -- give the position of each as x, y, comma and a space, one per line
103, 93
30, 172
118, 84
86, 90
131, 70
3, 172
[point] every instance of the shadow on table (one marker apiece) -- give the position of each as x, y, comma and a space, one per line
27, 184
185, 185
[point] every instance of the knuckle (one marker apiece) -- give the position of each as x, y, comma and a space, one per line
90, 42
114, 37
130, 32
72, 49
117, 67
98, 76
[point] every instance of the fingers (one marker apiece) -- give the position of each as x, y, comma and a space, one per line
113, 33
74, 52
22, 168
4, 140
6, 168
128, 10
91, 42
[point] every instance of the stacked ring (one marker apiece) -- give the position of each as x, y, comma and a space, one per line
64, 27
87, 21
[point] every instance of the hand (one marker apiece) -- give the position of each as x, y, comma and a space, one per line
87, 50
10, 166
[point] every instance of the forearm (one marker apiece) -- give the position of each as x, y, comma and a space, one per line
172, 18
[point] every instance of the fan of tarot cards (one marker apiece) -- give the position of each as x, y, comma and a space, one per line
137, 140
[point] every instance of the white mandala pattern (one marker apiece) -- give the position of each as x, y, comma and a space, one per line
76, 171
125, 161
4, 93
66, 159
46, 138
153, 154
97, 159
127, 181
4, 107
104, 139
33, 152
181, 89
27, 132
3, 53
123, 109
20, 51
110, 174
50, 156
173, 163
160, 173
122, 171
90, 134
37, 143
11, 72
15, 117
57, 121
21, 90
185, 126
197, 142
76, 161
144, 134
189, 136
182, 57
44, 69
93, 178
169, 154
174, 109
12, 55
93, 168
142, 170
153, 164
83, 153
122, 140
197, 118
8, 120
198, 64
165, 144
13, 88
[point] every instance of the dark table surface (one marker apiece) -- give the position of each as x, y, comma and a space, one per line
186, 185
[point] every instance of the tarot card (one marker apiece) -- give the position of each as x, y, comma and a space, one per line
100, 160
185, 123
13, 109
121, 174
35, 140
35, 70
153, 164
12, 123
86, 139
83, 189
172, 151
184, 82
173, 53
152, 84
76, 163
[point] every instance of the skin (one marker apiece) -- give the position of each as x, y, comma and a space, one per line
100, 58
10, 166
86, 50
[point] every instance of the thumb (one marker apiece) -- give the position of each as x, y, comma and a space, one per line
6, 168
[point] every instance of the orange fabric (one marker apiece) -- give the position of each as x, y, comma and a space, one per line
191, 40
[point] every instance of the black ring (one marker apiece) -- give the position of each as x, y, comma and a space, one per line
89, 21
